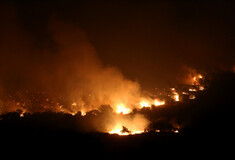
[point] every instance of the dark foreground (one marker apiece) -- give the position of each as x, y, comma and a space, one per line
56, 143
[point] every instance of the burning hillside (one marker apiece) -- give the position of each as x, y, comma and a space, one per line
114, 118
116, 78
175, 126
68, 77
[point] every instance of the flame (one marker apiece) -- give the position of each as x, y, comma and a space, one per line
175, 95
192, 90
144, 103
74, 104
123, 131
192, 96
22, 112
157, 102
185, 93
121, 108
124, 123
128, 125
201, 88
176, 131
150, 102
22, 115
118, 129
83, 113
196, 79
200, 76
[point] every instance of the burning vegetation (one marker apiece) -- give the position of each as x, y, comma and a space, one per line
114, 78
115, 118
69, 78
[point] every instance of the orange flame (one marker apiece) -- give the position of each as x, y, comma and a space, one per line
121, 108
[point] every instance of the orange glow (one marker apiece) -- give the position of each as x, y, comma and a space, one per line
201, 88
118, 130
200, 76
185, 93
22, 115
144, 103
192, 90
122, 120
23, 112
74, 104
176, 97
196, 79
176, 131
192, 97
158, 102
121, 108
150, 102
83, 113
128, 125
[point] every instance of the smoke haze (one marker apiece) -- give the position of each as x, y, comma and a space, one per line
63, 70
83, 51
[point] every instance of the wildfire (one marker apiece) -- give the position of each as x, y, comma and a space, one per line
124, 122
157, 102
83, 113
121, 108
201, 88
150, 102
196, 79
128, 125
22, 112
22, 115
192, 96
192, 90
144, 104
123, 131
176, 131
118, 130
200, 76
175, 95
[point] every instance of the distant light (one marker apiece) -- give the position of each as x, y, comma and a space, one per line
176, 131
176, 98
192, 90
201, 88
157, 130
192, 97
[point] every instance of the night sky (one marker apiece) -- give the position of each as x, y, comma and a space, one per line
152, 42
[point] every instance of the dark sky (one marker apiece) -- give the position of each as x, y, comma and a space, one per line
149, 41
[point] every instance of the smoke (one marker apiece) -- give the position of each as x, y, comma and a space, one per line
57, 72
